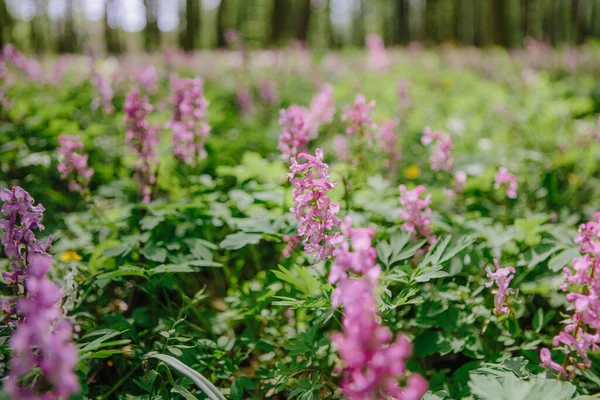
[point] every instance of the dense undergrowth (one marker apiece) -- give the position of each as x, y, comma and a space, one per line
199, 273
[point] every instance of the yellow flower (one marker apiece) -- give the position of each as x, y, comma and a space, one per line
70, 255
412, 172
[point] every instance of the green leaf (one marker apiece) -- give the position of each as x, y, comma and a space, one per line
203, 384
154, 253
121, 250
150, 222
236, 241
559, 261
183, 392
123, 271
105, 353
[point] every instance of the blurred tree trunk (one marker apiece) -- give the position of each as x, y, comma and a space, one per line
189, 35
279, 14
112, 37
358, 26
221, 25
302, 32
151, 32
401, 22
499, 23
67, 41
7, 25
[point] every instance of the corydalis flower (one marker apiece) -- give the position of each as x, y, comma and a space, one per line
244, 99
359, 117
581, 334
501, 278
504, 177
42, 340
18, 238
147, 78
373, 362
441, 158
189, 125
403, 95
142, 138
30, 67
295, 131
416, 213
388, 141
378, 56
74, 166
3, 85
313, 209
268, 92
104, 93
322, 106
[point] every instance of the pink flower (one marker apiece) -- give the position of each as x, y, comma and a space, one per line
295, 131
322, 107
460, 179
104, 93
373, 362
189, 123
143, 140
416, 213
340, 145
244, 99
359, 117
388, 143
403, 95
31, 67
501, 277
378, 57
268, 92
441, 159
546, 359
313, 209
74, 165
502, 177
147, 78
291, 241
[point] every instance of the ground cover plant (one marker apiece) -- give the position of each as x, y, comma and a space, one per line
283, 224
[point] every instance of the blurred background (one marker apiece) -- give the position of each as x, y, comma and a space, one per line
125, 25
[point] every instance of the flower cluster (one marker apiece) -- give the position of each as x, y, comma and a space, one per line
295, 133
143, 140
268, 92
244, 99
30, 67
74, 166
43, 336
441, 158
42, 339
501, 277
104, 93
502, 177
388, 140
403, 95
373, 362
313, 209
359, 117
322, 106
18, 238
416, 213
147, 78
582, 282
378, 56
3, 84
189, 126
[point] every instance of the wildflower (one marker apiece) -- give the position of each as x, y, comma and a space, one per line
322, 108
147, 78
42, 339
412, 172
31, 67
313, 209
189, 125
268, 92
18, 238
74, 166
403, 95
582, 330
416, 213
340, 145
387, 140
378, 57
294, 135
142, 138
244, 99
373, 361
291, 241
104, 93
359, 117
70, 255
441, 158
502, 177
460, 179
3, 84
501, 277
